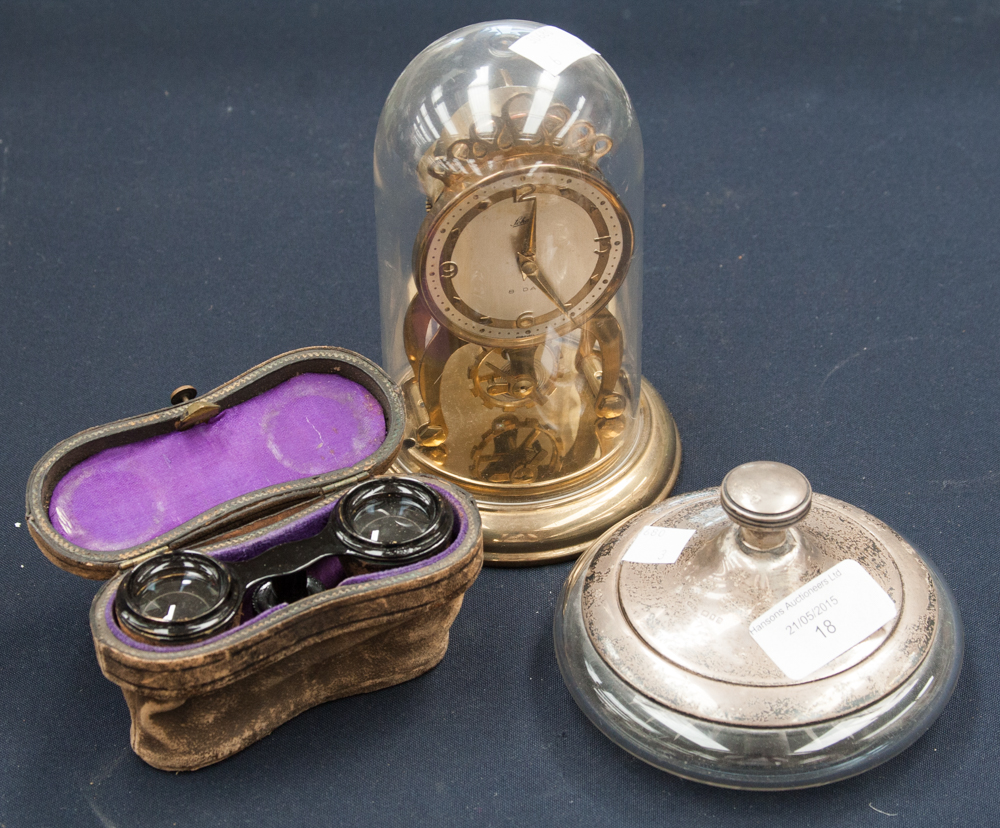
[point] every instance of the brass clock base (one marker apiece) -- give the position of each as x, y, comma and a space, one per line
532, 529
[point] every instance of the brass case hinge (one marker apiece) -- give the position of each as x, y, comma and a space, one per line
195, 413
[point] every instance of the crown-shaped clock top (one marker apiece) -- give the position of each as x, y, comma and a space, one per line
519, 131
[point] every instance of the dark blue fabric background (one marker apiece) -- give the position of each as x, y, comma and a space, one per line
185, 191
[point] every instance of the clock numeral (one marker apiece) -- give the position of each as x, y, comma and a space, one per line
449, 270
525, 320
603, 244
526, 192
486, 320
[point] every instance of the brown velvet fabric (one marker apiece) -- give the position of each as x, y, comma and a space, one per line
192, 709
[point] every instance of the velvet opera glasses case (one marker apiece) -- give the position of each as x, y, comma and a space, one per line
257, 564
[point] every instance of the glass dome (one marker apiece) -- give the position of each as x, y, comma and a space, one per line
509, 206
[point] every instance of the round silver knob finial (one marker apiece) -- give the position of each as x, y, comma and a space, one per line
765, 498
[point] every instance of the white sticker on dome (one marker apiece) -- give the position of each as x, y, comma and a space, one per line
658, 545
823, 619
551, 48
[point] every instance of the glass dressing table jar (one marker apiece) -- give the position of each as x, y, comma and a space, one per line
758, 635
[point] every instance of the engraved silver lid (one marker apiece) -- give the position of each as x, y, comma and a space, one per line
755, 608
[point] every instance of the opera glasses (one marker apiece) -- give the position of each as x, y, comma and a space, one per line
186, 596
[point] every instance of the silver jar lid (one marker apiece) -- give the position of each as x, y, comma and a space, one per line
758, 635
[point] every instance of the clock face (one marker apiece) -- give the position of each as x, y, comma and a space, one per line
524, 255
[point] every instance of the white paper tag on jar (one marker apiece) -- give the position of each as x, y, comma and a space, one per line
658, 545
823, 619
551, 48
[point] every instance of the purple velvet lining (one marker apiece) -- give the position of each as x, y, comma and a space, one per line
309, 425
329, 573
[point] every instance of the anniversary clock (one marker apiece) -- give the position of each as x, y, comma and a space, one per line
508, 173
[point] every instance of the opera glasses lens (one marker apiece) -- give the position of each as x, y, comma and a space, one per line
178, 597
392, 521
181, 597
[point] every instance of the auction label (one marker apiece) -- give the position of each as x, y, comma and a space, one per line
658, 545
551, 48
823, 619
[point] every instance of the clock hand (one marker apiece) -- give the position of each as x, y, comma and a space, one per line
531, 231
529, 267
530, 270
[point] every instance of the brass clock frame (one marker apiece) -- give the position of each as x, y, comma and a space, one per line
605, 470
